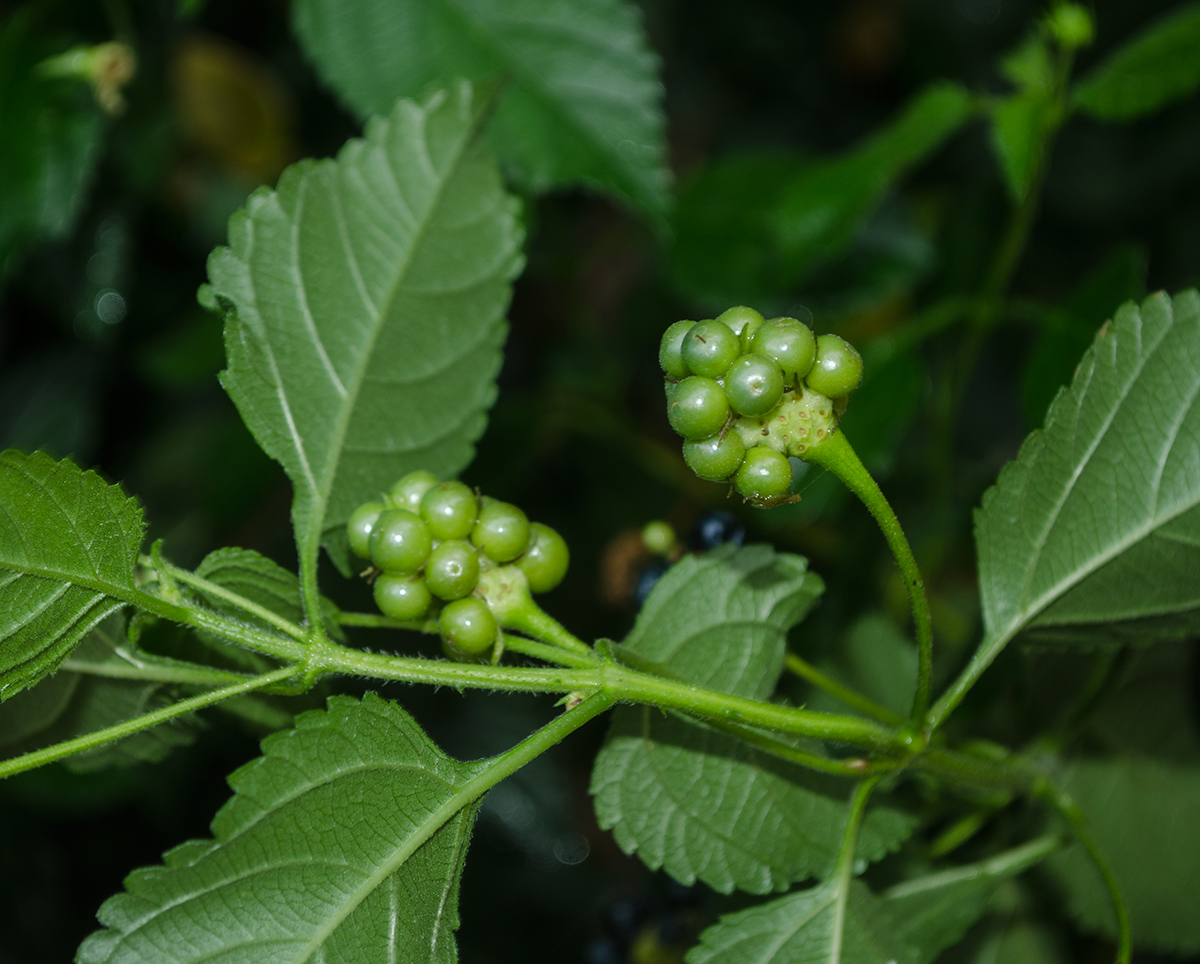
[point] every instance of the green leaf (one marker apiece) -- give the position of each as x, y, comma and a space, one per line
343, 842
49, 142
365, 303
1020, 124
1010, 939
819, 213
1157, 67
803, 928
706, 806
1093, 533
262, 581
68, 545
105, 681
583, 103
875, 659
1143, 816
721, 620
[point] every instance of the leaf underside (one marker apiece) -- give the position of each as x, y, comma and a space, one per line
342, 843
68, 545
1143, 816
364, 302
1092, 534
583, 99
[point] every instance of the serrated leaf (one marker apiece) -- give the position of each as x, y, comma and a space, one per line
1019, 127
702, 805
365, 306
1093, 533
1142, 814
343, 842
803, 928
818, 214
721, 620
262, 581
1155, 68
50, 134
105, 681
584, 99
68, 545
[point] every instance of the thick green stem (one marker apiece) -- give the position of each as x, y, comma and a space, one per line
90, 741
1076, 819
837, 455
805, 670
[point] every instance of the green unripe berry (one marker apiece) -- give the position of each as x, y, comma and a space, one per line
450, 510
670, 358
400, 541
658, 537
738, 318
502, 532
697, 407
452, 570
468, 628
545, 561
402, 597
714, 458
1072, 25
791, 343
408, 492
754, 384
358, 529
709, 348
765, 474
838, 369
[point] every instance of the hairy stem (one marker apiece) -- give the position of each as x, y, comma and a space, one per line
90, 741
837, 456
805, 670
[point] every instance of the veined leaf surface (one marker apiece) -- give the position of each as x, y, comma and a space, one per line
365, 302
343, 843
1093, 533
68, 545
584, 99
704, 805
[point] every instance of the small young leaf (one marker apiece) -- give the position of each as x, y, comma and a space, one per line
721, 619
706, 806
583, 103
1155, 68
1093, 533
365, 303
261, 581
68, 545
1019, 127
1143, 816
343, 842
802, 928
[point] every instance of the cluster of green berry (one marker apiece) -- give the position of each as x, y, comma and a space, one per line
431, 541
746, 392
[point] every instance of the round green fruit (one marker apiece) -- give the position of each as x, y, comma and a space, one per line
838, 369
754, 384
791, 343
358, 529
709, 348
502, 532
400, 541
670, 358
697, 407
738, 318
452, 570
545, 561
714, 458
765, 474
468, 627
450, 510
408, 492
402, 597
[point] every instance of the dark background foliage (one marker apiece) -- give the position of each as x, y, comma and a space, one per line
223, 99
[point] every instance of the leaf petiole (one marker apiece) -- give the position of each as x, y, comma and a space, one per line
805, 670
